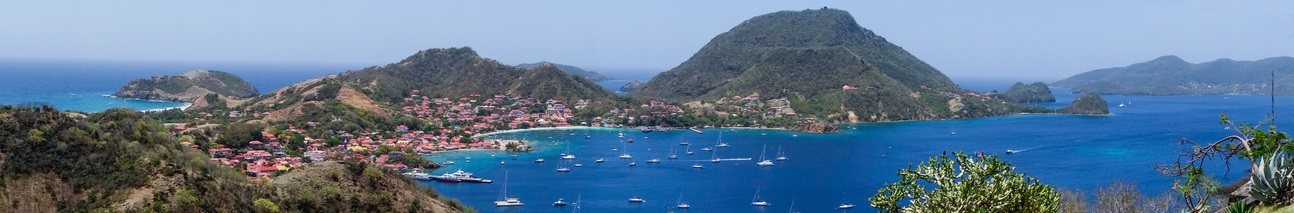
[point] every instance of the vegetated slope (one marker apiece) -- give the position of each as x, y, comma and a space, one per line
458, 72
122, 161
810, 57
1036, 92
1089, 104
734, 52
1170, 75
187, 87
592, 76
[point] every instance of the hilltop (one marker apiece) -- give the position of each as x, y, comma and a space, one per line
436, 72
827, 66
1089, 104
1170, 75
187, 87
592, 76
1036, 92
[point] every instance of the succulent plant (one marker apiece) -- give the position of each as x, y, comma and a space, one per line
1272, 176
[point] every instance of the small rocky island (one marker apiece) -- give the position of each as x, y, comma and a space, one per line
1036, 92
631, 86
187, 87
1089, 104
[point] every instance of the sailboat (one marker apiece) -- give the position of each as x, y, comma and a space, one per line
781, 156
720, 143
568, 150
681, 204
563, 168
560, 202
792, 210
623, 154
756, 201
636, 199
504, 200
671, 154
688, 150
714, 157
845, 205
762, 161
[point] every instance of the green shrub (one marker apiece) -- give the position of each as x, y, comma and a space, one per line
963, 183
265, 205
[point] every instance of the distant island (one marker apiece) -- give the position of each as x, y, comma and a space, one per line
187, 87
1170, 75
1089, 104
631, 86
573, 70
1036, 92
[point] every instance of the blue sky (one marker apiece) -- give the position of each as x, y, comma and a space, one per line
1041, 40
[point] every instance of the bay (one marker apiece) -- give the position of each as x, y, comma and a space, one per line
1068, 151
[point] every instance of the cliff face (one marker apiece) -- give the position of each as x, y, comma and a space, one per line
1089, 104
187, 87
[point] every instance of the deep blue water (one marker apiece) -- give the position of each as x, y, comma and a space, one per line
84, 85
1074, 152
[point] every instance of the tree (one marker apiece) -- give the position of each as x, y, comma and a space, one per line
1251, 142
265, 205
966, 184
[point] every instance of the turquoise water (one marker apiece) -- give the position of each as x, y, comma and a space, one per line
84, 85
1075, 152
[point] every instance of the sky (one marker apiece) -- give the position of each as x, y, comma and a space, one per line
1037, 40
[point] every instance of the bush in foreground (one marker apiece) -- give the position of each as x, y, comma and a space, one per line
963, 183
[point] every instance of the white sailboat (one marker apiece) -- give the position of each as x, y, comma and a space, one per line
757, 202
762, 160
781, 156
504, 200
714, 157
681, 204
567, 156
720, 143
563, 168
688, 150
671, 154
623, 154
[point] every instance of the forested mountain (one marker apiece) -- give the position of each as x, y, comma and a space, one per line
187, 87
592, 76
827, 65
1170, 75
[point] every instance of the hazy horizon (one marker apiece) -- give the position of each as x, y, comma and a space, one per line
1020, 40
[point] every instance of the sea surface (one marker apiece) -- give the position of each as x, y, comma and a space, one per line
87, 85
824, 170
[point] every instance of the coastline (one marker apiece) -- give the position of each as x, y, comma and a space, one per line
182, 107
542, 129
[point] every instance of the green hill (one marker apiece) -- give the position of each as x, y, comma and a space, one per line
458, 72
592, 76
810, 57
1089, 104
1170, 75
1036, 92
187, 87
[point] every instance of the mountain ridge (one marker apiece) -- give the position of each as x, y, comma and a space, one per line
591, 75
1170, 75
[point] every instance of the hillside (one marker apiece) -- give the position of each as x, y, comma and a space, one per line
592, 76
1089, 104
1036, 92
122, 161
1170, 75
187, 87
826, 65
458, 72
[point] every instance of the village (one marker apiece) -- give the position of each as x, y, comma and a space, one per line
454, 122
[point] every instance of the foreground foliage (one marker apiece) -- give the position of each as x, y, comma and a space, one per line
963, 183
122, 161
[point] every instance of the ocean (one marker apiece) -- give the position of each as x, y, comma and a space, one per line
86, 85
824, 170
